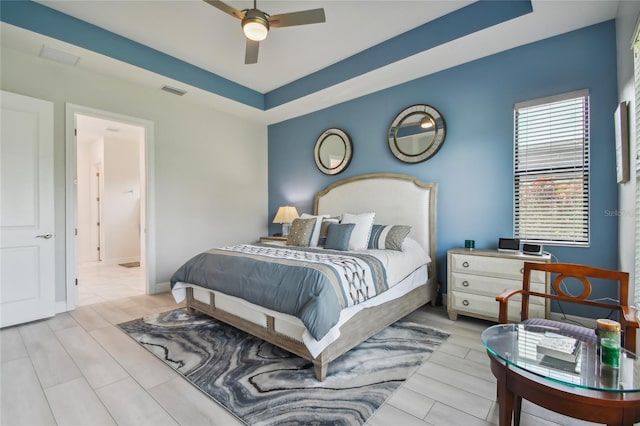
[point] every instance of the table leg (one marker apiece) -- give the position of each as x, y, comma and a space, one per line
517, 411
505, 403
627, 418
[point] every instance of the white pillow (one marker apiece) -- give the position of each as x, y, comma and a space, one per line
361, 232
316, 229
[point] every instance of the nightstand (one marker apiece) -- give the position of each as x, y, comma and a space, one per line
476, 277
277, 241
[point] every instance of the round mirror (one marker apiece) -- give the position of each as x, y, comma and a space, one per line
417, 133
333, 151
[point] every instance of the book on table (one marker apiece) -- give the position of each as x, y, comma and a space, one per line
560, 347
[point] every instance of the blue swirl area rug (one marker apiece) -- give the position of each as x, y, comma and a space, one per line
264, 385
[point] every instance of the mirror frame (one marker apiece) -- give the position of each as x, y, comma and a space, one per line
436, 144
348, 151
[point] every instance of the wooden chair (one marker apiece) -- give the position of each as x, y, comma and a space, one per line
627, 315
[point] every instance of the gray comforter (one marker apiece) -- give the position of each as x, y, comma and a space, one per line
311, 284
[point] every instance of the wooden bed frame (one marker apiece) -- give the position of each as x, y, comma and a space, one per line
396, 199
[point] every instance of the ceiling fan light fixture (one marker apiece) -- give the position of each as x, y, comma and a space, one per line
255, 25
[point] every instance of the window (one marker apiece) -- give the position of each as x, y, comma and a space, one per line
551, 170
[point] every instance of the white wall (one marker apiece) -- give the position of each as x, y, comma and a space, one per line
627, 16
121, 223
210, 166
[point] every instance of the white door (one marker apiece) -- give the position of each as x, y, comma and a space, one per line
26, 210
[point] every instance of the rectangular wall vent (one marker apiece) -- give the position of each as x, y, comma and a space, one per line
173, 90
59, 56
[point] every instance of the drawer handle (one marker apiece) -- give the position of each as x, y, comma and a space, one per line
522, 270
465, 283
465, 302
465, 264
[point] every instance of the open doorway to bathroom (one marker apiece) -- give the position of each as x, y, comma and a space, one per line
110, 161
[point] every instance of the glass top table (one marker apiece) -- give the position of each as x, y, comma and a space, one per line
516, 345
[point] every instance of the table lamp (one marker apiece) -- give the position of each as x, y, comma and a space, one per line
285, 216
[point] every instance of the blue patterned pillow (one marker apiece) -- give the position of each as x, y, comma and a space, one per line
389, 237
338, 236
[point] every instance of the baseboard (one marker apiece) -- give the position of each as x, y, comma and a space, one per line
120, 260
61, 306
161, 288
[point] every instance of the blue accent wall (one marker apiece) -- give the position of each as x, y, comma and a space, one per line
474, 167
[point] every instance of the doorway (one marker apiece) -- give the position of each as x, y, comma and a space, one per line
107, 207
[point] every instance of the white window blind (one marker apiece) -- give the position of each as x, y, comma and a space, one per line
551, 170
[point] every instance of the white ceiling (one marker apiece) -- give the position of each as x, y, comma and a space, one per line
202, 35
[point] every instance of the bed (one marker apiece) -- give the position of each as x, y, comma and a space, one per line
395, 199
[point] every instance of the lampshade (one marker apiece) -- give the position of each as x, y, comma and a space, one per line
255, 25
286, 214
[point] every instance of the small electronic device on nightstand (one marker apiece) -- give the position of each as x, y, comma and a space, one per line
509, 245
535, 249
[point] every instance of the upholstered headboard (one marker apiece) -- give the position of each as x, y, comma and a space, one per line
397, 199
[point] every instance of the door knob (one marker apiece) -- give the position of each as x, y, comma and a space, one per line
45, 236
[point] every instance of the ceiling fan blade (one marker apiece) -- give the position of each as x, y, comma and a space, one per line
312, 16
226, 8
251, 52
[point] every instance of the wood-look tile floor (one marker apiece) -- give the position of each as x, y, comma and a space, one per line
101, 282
78, 368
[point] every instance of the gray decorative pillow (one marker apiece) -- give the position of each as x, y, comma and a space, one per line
300, 232
316, 229
324, 229
338, 236
389, 237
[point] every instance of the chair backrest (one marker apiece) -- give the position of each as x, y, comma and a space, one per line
582, 273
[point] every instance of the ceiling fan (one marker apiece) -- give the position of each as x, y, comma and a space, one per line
256, 23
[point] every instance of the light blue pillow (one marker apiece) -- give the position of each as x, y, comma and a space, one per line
324, 229
338, 236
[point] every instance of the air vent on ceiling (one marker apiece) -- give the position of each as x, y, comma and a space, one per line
173, 90
59, 56
112, 129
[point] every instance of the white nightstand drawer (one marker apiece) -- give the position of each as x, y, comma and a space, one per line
488, 307
476, 277
494, 266
490, 286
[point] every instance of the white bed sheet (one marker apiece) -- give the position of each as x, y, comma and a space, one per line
415, 280
400, 264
